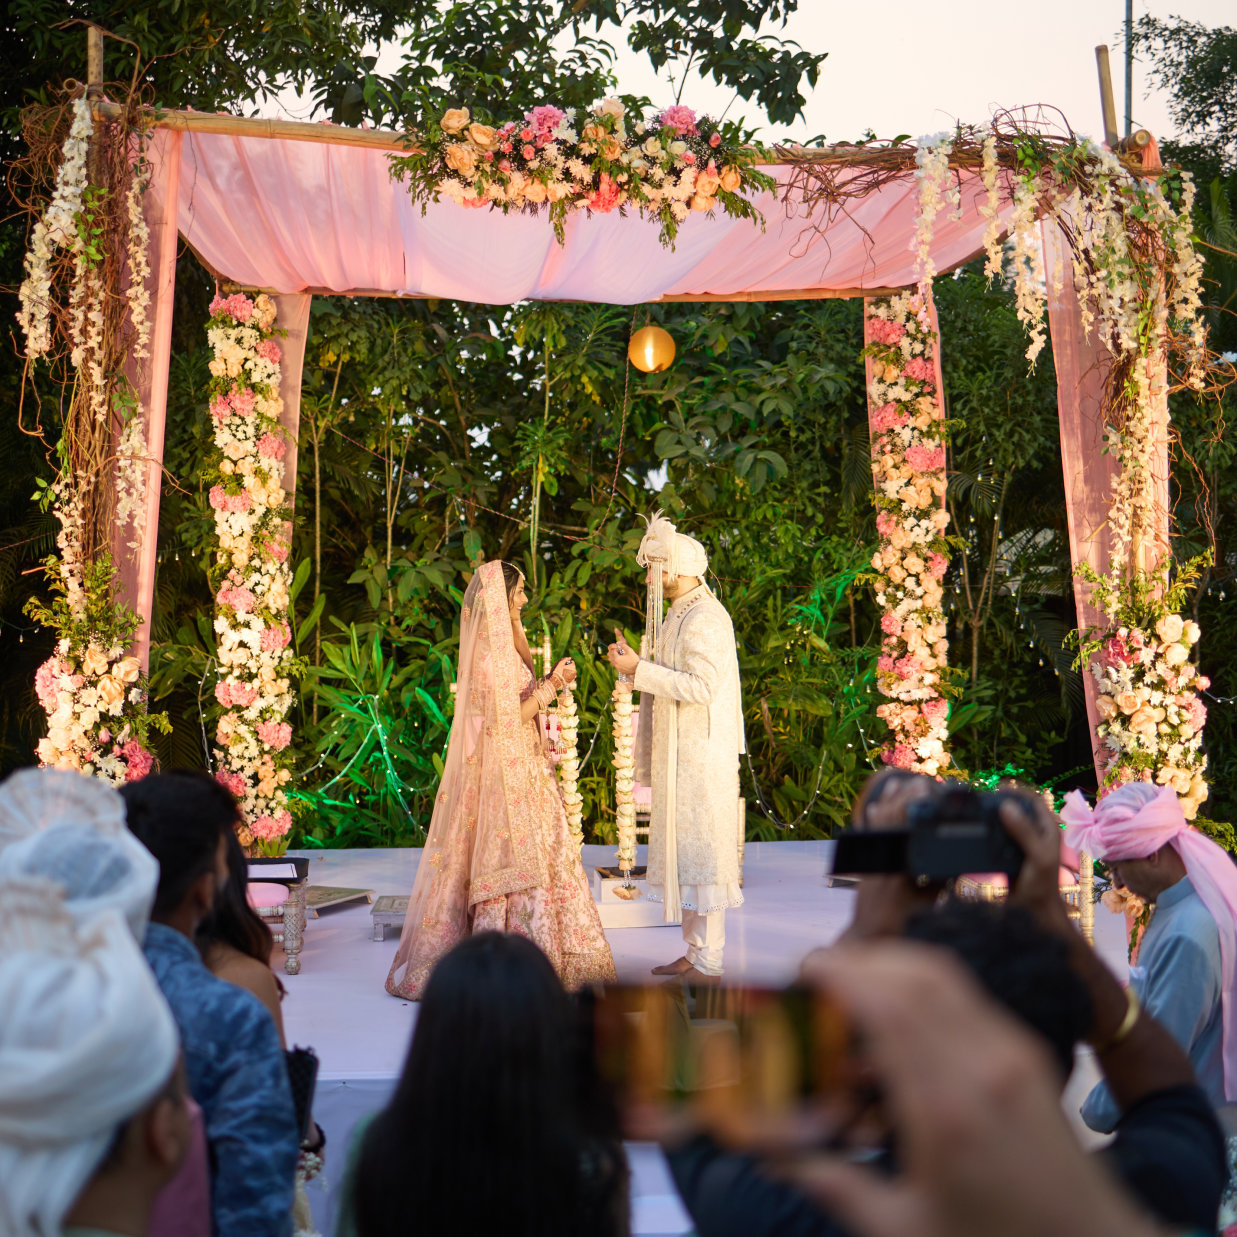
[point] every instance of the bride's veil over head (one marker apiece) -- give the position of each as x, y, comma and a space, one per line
482, 837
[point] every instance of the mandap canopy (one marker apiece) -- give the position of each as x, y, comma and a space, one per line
301, 210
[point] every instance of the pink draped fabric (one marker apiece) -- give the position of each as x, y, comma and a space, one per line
290, 216
292, 315
136, 567
1129, 825
1082, 366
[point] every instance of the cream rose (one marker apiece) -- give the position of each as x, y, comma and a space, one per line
128, 670
1190, 632
534, 191
612, 107
1176, 654
1106, 707
1169, 628
1128, 702
111, 693
461, 159
455, 120
482, 137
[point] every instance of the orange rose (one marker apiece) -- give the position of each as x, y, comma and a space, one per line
730, 180
708, 184
535, 191
702, 202
455, 120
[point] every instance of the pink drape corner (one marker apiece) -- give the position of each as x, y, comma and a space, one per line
136, 563
1082, 365
292, 315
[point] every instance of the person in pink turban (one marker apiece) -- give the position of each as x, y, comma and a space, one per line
1188, 959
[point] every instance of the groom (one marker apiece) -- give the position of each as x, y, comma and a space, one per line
690, 753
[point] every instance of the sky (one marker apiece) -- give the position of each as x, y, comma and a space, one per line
902, 66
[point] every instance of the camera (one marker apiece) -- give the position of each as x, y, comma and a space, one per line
955, 832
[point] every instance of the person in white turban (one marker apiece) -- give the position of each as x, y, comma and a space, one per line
689, 754
70, 829
92, 1113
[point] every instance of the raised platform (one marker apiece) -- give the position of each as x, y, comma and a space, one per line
338, 1006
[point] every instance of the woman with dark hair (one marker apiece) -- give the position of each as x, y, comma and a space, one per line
499, 856
235, 943
498, 1123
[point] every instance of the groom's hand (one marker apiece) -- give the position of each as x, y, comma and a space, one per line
622, 657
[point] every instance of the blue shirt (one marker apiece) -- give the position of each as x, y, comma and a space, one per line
239, 1077
1179, 982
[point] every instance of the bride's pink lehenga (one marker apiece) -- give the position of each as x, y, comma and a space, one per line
498, 856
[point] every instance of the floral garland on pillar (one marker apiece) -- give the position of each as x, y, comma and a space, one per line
86, 238
569, 764
250, 575
625, 781
908, 466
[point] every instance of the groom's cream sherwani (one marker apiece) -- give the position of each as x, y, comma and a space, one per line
692, 761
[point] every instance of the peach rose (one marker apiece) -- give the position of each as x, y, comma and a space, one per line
1142, 721
1169, 628
612, 149
461, 159
535, 191
612, 107
482, 137
111, 693
455, 120
730, 180
95, 660
708, 183
1128, 702
1106, 707
1190, 632
556, 191
702, 202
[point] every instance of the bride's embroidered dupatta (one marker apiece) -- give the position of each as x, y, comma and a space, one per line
482, 842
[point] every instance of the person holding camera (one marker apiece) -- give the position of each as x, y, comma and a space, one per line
1188, 959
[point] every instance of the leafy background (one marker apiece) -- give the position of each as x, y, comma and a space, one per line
431, 431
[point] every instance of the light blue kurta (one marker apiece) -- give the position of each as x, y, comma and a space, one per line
1179, 983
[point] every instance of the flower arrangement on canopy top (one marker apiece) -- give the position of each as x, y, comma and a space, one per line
908, 466
250, 575
602, 159
1147, 684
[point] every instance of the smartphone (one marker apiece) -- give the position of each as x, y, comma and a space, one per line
747, 1065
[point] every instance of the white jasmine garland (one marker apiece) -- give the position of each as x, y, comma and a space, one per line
569, 764
624, 768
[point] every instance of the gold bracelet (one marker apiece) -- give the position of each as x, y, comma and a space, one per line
1133, 1009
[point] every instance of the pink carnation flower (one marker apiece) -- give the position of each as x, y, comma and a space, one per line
138, 761
218, 498
882, 331
681, 119
885, 523
220, 406
1196, 714
920, 369
544, 120
936, 710
276, 637
265, 829
900, 756
268, 350
235, 782
272, 447
937, 565
891, 625
884, 664
925, 459
277, 549
275, 734
239, 503
905, 667
887, 417
243, 400
45, 682
239, 306
240, 599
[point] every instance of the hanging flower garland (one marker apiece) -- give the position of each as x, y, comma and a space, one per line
908, 465
88, 238
569, 764
251, 575
624, 782
601, 159
1151, 712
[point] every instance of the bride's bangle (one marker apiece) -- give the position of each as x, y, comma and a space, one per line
545, 693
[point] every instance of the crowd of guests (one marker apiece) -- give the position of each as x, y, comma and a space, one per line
144, 1086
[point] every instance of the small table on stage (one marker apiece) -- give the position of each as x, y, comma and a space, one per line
293, 908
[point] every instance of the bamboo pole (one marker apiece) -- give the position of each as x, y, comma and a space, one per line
94, 62
1107, 103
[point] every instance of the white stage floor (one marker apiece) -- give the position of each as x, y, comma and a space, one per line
338, 1006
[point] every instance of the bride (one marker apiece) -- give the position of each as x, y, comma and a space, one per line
499, 856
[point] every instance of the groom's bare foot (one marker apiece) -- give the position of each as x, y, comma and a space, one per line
677, 967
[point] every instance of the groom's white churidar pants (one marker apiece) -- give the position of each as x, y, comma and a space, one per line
705, 936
